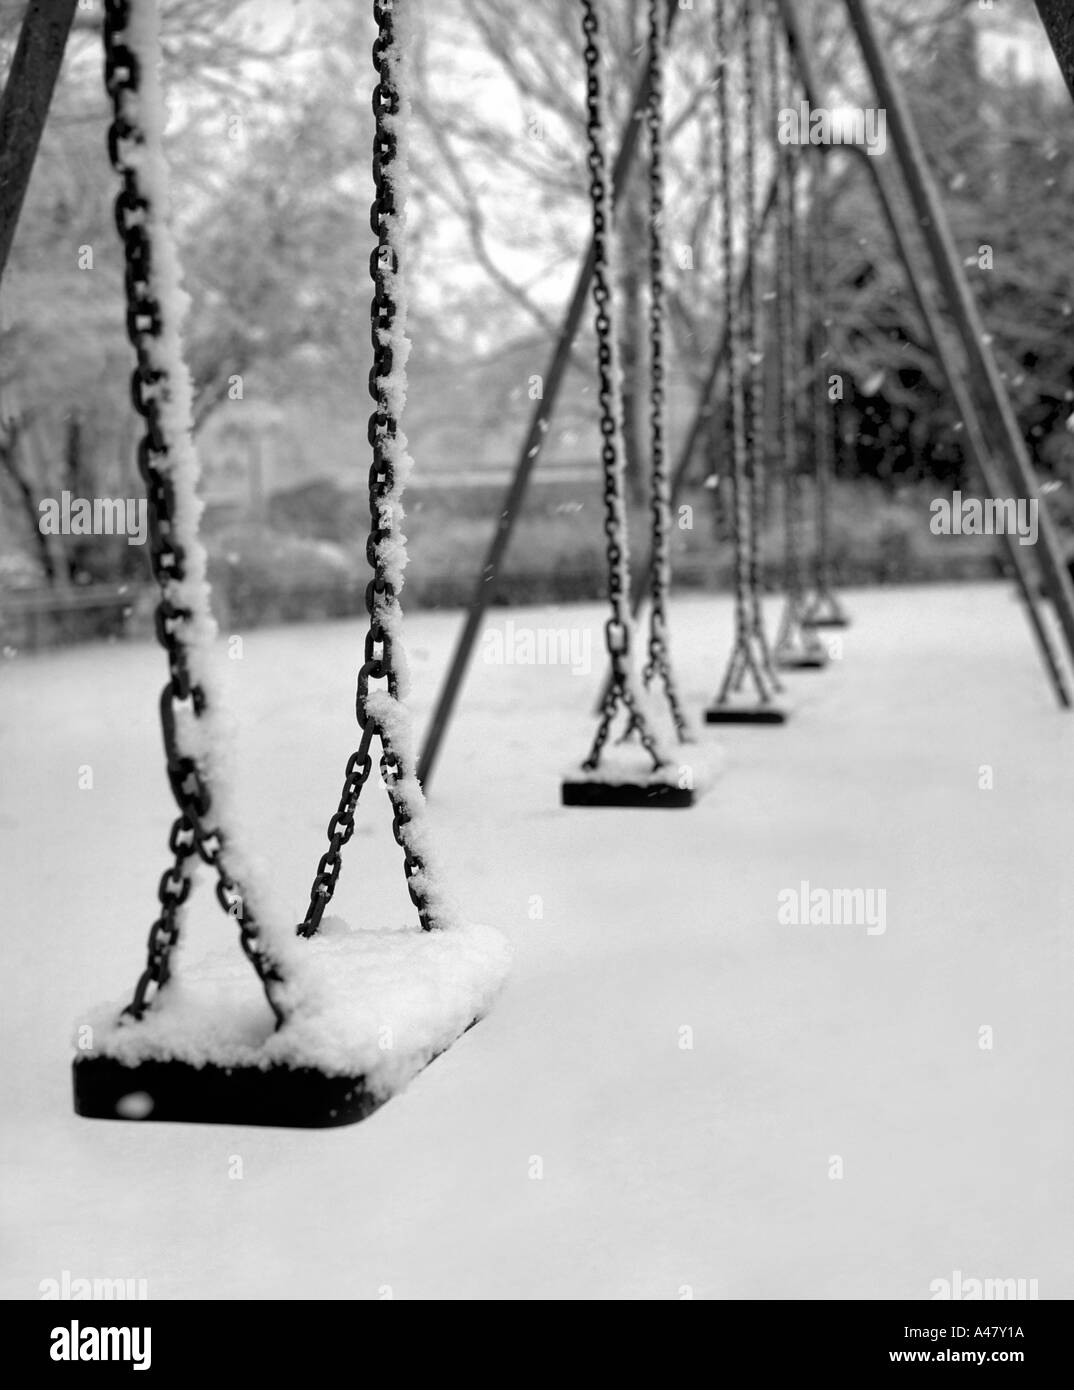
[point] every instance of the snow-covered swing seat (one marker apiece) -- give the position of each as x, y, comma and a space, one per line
351, 1015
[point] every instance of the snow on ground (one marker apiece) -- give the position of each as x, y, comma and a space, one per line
572, 1145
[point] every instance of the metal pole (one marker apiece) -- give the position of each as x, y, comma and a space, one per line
25, 103
932, 218
531, 448
975, 442
1058, 20
975, 435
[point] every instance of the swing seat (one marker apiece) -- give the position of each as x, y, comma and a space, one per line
582, 791
745, 714
802, 661
367, 1011
826, 620
293, 1097
824, 610
626, 777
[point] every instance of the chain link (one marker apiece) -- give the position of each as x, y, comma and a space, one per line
192, 834
382, 603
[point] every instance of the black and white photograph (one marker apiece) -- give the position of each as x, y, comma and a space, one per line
537, 667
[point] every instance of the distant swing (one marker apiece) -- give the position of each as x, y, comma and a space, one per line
823, 608
750, 664
662, 783
797, 645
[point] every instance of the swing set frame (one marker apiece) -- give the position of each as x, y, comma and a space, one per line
957, 333
958, 336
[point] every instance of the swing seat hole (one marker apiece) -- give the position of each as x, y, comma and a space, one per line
135, 1105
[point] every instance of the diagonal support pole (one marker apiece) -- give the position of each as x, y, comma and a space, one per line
962, 307
24, 105
1058, 20
975, 441
976, 435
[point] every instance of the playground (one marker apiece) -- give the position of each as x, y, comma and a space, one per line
689, 941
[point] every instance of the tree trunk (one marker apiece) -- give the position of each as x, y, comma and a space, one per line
9, 451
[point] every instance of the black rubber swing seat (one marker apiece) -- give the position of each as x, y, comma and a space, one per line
582, 791
745, 714
291, 1097
827, 620
209, 1055
803, 661
288, 1097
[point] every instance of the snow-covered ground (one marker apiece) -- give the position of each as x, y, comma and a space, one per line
575, 1144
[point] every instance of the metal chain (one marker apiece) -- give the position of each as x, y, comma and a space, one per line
192, 832
822, 605
659, 654
744, 659
754, 380
382, 603
788, 329
793, 638
822, 417
618, 629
